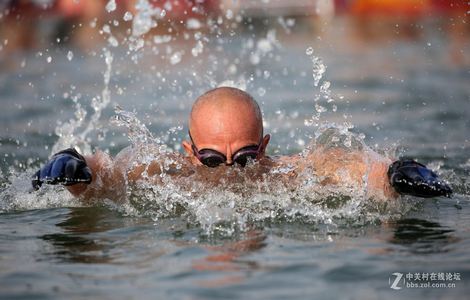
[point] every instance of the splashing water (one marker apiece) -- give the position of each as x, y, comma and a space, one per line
324, 95
111, 6
68, 133
318, 68
143, 22
227, 199
70, 55
258, 193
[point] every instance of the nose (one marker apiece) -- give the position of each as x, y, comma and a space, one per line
229, 161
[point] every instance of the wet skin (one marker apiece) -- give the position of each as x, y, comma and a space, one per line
226, 120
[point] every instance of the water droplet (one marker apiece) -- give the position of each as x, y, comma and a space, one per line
197, 49
70, 55
193, 24
127, 16
290, 22
112, 41
318, 70
229, 14
264, 45
93, 23
49, 59
319, 108
160, 39
106, 28
309, 51
111, 6
175, 58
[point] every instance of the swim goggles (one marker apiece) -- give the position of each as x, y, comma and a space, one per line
213, 158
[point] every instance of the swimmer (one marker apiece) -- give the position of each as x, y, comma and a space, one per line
226, 130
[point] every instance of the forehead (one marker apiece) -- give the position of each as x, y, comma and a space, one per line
225, 121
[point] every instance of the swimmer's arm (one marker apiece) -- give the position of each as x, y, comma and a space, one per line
335, 166
378, 184
382, 179
111, 176
108, 179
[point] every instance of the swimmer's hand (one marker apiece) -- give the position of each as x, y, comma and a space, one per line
66, 167
411, 178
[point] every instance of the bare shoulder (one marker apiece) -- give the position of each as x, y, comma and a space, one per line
150, 162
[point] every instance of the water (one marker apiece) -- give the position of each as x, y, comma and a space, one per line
223, 244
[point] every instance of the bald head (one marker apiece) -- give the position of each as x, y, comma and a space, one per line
227, 106
226, 120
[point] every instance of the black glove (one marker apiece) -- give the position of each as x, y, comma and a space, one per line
66, 167
411, 178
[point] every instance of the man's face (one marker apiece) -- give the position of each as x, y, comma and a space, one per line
226, 127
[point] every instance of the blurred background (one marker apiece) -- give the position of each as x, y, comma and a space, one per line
395, 70
35, 24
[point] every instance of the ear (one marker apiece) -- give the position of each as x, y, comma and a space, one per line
264, 144
188, 148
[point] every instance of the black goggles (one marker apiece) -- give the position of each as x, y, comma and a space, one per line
213, 158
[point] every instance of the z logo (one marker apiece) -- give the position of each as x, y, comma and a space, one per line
395, 283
